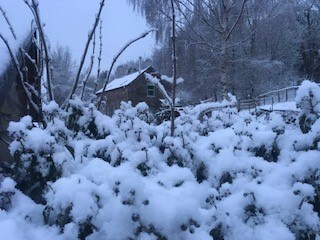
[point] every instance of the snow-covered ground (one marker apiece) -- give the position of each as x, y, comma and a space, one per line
225, 176
284, 106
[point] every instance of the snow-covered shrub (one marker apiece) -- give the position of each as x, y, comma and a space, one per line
72, 202
225, 175
308, 100
7, 190
34, 151
265, 145
86, 120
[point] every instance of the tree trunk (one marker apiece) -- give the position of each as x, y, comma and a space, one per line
223, 76
174, 61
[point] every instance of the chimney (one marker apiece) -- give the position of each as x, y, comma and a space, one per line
140, 58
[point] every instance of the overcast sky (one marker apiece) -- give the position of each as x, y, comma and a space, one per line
68, 22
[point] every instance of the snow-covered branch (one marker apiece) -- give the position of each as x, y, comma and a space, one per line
99, 58
21, 76
8, 22
34, 7
90, 67
90, 36
159, 85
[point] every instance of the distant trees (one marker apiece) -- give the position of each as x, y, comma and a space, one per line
208, 24
62, 72
308, 18
245, 47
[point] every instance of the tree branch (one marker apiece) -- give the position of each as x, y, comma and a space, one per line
96, 22
17, 67
35, 11
8, 22
237, 20
90, 67
99, 59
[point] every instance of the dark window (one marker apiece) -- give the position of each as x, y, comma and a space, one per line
151, 90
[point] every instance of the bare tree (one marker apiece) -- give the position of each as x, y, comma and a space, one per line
220, 17
34, 7
174, 62
90, 67
308, 16
90, 36
99, 59
63, 71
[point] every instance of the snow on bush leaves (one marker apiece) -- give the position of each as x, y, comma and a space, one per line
223, 175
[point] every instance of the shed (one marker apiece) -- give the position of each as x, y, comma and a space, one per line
135, 88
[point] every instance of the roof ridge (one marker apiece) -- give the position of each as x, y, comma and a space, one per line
123, 81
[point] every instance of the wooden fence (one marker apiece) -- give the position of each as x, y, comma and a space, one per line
270, 98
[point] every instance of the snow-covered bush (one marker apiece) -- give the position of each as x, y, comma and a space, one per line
34, 151
7, 190
308, 100
224, 175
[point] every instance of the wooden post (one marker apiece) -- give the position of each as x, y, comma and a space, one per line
286, 95
272, 101
279, 96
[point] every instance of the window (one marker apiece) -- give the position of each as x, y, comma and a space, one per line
151, 90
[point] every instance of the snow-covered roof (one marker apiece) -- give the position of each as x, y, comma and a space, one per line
21, 24
124, 81
22, 27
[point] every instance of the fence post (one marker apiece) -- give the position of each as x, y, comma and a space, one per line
239, 105
286, 95
279, 98
272, 100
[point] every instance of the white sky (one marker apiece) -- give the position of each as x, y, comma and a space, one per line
68, 22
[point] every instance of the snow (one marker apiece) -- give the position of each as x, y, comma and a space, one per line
214, 105
159, 85
223, 175
284, 106
308, 97
170, 79
122, 82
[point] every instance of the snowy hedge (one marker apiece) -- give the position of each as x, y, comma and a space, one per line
224, 176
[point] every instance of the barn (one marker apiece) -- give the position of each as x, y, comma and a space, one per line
135, 88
